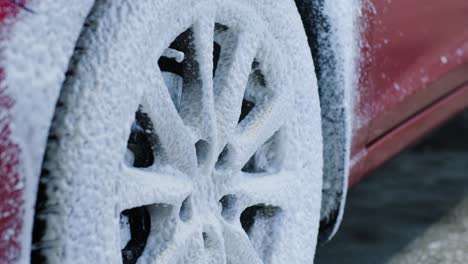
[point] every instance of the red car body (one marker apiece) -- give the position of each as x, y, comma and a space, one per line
413, 77
11, 204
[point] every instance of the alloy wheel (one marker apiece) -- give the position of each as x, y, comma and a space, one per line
179, 140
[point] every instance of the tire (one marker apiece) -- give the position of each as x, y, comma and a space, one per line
187, 131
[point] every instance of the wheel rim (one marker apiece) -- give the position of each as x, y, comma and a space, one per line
209, 165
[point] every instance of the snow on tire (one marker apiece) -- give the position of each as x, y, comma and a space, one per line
187, 131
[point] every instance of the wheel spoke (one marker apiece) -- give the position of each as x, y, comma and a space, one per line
213, 239
270, 190
177, 139
261, 124
185, 245
197, 107
234, 67
239, 249
137, 187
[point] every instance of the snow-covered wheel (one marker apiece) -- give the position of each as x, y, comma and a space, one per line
188, 131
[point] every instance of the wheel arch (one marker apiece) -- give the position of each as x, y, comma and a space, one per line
336, 66
30, 51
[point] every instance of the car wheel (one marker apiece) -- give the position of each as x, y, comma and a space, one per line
187, 131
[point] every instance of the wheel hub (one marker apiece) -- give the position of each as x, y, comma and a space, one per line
218, 160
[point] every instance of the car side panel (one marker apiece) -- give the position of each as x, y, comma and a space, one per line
11, 196
416, 52
408, 133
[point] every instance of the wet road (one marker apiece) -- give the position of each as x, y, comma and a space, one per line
413, 210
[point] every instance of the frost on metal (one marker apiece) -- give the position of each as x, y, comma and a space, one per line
214, 185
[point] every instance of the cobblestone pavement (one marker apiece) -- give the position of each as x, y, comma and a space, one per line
413, 210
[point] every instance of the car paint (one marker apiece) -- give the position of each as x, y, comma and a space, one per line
415, 60
11, 199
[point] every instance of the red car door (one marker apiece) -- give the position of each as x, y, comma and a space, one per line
416, 54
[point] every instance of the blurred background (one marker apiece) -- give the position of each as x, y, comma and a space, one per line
412, 210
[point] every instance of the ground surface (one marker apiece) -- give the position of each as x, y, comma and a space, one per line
413, 210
